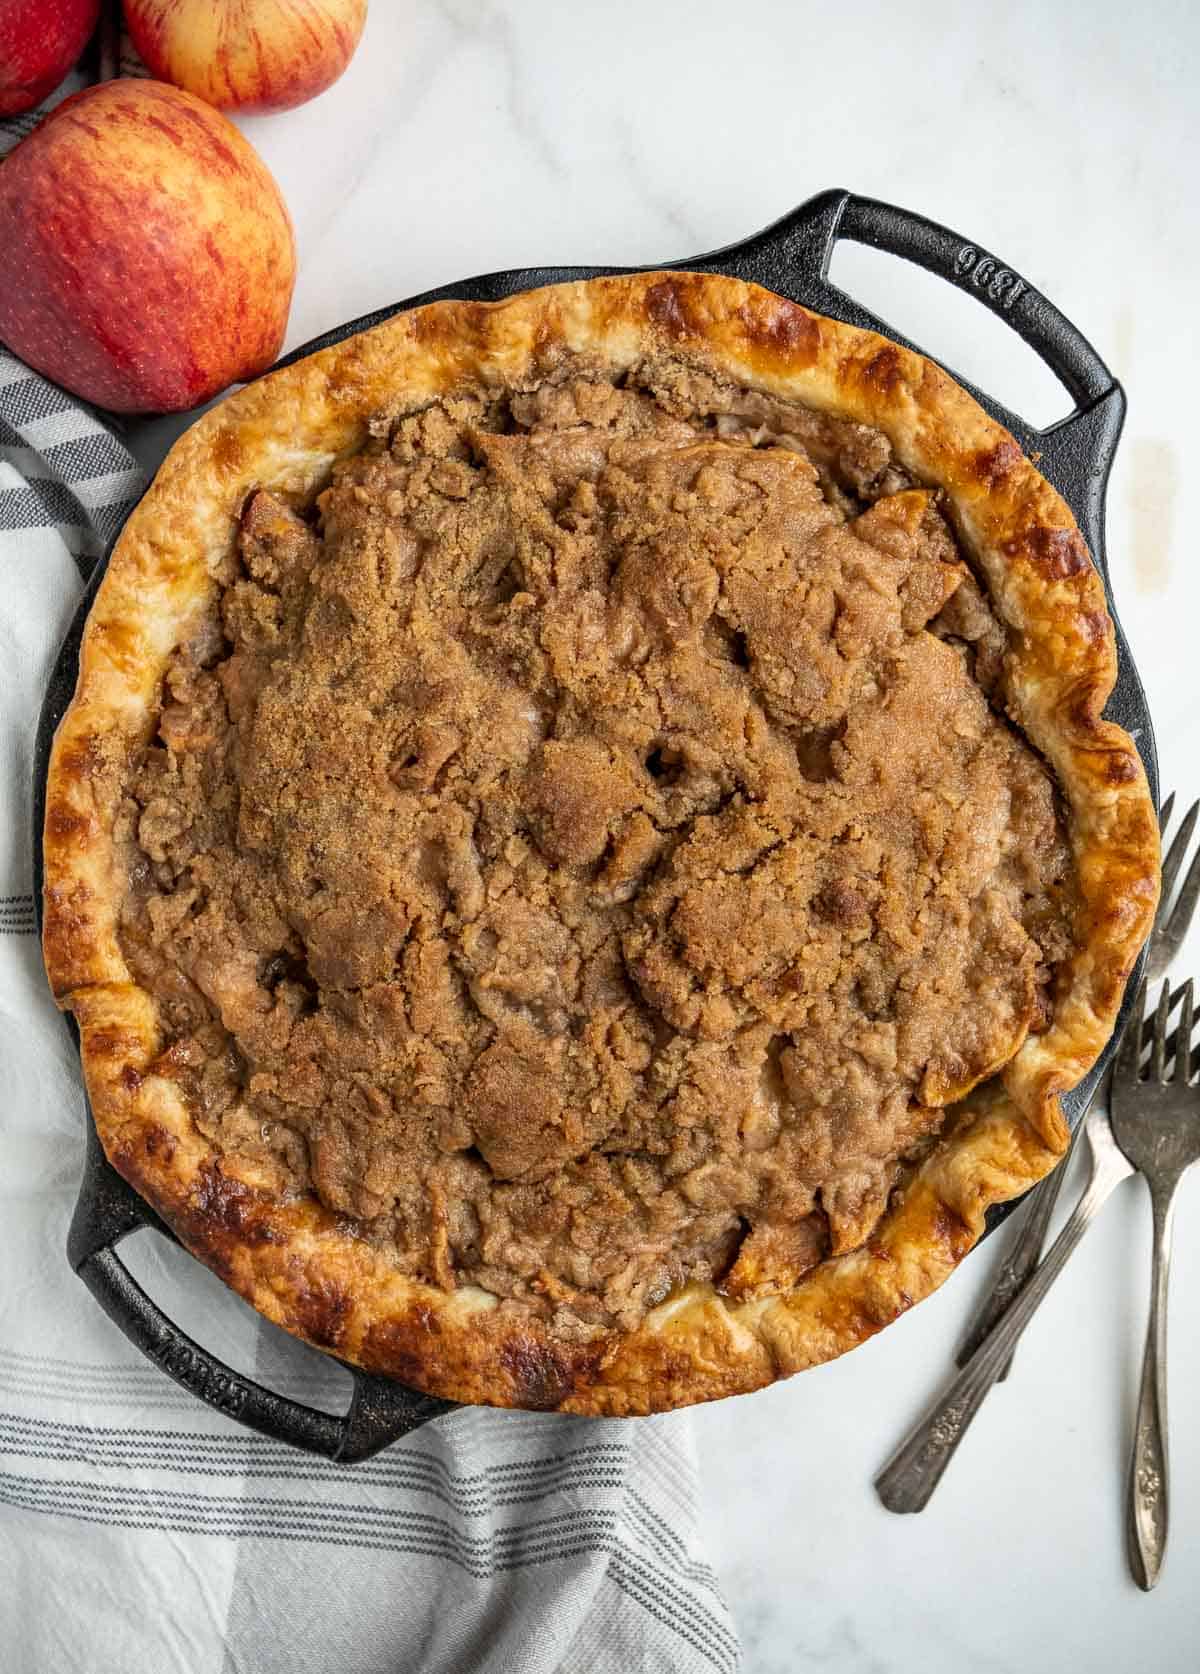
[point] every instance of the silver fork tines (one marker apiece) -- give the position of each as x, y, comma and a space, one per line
1183, 1035
1158, 1051
1169, 932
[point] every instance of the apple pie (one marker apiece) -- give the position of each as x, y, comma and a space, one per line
586, 847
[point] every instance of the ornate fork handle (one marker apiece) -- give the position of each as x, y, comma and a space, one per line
914, 1471
1148, 1496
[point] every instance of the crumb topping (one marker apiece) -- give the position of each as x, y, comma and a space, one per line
587, 848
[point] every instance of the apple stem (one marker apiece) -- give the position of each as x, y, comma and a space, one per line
110, 41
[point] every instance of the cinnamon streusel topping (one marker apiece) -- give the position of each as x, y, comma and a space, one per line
588, 849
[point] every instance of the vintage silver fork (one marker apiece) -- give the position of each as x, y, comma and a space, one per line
1171, 925
914, 1471
1157, 1125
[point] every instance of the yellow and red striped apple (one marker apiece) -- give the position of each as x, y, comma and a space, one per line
247, 54
146, 255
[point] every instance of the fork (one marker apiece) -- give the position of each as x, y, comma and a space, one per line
1166, 938
915, 1469
1158, 1128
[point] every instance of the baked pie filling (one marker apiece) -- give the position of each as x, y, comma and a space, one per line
587, 848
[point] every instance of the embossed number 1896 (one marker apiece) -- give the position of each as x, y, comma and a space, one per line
986, 274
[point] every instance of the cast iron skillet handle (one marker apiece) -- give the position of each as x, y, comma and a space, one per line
999, 287
380, 1411
794, 255
1077, 452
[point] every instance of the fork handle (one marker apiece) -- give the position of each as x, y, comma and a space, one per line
909, 1478
1026, 1251
1014, 1271
1148, 1478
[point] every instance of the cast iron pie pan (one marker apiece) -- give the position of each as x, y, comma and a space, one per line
792, 258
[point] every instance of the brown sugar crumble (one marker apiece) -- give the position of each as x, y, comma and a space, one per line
587, 848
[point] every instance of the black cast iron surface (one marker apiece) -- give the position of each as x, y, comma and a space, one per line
791, 257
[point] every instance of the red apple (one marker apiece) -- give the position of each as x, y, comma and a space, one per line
40, 42
146, 256
247, 54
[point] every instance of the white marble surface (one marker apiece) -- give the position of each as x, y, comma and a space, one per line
468, 137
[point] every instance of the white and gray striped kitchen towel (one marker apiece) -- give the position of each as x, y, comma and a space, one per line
139, 1530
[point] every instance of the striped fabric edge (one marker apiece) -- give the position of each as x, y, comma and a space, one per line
479, 1494
54, 1377
570, 1535
74, 475
41, 1377
45, 1377
239, 1453
28, 399
169, 1399
17, 917
91, 454
90, 1376
657, 1535
494, 1487
474, 1494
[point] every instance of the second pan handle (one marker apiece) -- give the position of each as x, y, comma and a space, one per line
793, 256
108, 1210
1000, 288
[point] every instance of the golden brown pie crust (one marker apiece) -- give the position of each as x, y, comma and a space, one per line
300, 1264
